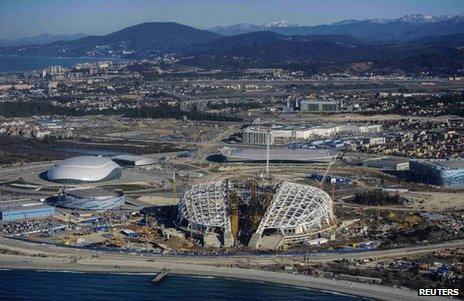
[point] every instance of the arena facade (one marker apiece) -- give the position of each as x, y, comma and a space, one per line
95, 199
84, 169
447, 173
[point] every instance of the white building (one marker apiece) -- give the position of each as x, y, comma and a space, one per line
258, 136
387, 163
371, 128
319, 106
84, 169
374, 141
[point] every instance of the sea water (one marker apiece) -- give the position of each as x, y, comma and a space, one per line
70, 286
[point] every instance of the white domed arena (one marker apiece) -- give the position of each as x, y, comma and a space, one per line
84, 169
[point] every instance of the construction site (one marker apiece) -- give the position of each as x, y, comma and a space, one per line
258, 214
182, 203
262, 202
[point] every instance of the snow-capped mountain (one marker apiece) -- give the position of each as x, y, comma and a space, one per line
404, 28
409, 19
241, 28
421, 19
280, 24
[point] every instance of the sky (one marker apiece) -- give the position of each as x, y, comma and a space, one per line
24, 18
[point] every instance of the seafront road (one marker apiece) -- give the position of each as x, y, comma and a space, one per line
26, 255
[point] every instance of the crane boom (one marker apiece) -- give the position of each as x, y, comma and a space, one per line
327, 170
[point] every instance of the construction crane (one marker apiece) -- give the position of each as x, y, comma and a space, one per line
200, 153
174, 193
200, 135
321, 183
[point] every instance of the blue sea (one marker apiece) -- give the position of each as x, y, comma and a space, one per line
29, 63
70, 286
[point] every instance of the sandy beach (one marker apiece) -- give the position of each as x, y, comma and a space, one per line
33, 256
147, 266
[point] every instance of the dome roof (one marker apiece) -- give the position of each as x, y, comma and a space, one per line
206, 205
84, 169
298, 208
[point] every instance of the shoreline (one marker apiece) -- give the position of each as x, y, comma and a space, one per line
115, 266
189, 276
53, 60
23, 255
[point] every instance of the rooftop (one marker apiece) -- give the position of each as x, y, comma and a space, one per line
446, 164
21, 205
285, 154
90, 192
135, 159
387, 160
86, 161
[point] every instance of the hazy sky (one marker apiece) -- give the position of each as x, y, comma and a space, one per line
19, 18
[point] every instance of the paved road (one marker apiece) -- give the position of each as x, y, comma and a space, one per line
57, 251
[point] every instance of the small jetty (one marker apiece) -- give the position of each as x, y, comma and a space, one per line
160, 276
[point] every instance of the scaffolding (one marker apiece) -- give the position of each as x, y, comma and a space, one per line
298, 210
294, 211
206, 206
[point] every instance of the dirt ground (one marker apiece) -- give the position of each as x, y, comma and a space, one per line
436, 200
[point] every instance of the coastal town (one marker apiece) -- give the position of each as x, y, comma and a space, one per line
174, 135
284, 155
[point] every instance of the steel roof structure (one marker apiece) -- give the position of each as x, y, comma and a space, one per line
206, 205
298, 209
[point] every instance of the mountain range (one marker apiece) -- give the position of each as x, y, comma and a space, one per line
241, 28
40, 39
330, 53
426, 48
142, 40
401, 29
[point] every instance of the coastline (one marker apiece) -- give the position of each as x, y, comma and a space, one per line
35, 256
99, 265
188, 276
25, 63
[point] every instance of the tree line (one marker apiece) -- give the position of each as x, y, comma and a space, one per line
25, 109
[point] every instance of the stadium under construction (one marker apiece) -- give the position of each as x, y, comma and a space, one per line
263, 215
